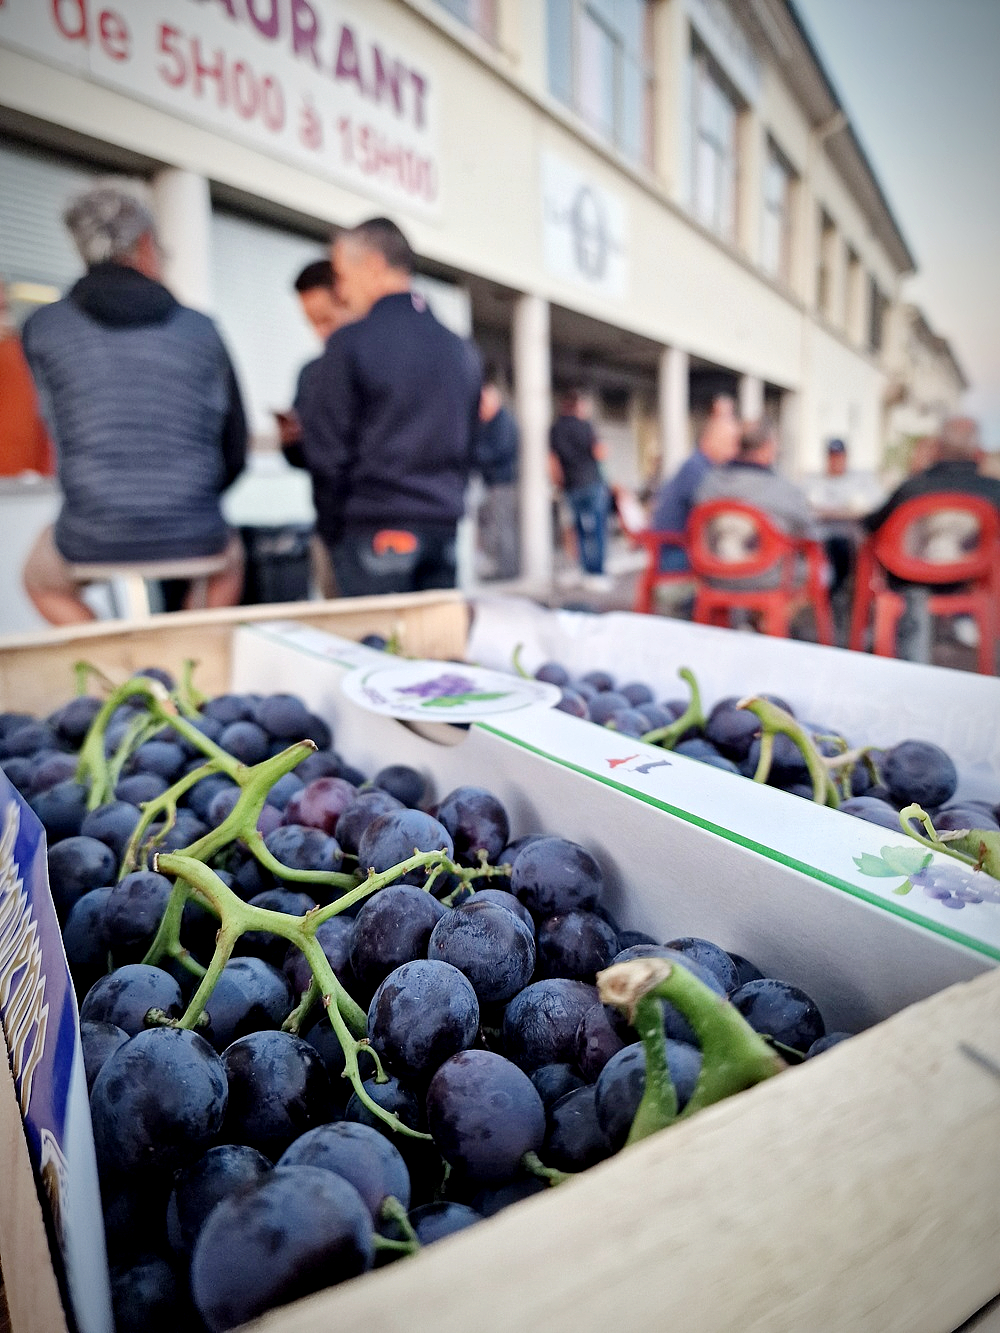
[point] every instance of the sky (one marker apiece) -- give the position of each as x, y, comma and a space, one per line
919, 80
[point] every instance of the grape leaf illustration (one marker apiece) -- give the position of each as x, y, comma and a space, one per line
893, 863
456, 700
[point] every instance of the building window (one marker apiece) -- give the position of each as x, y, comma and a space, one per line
479, 15
825, 264
878, 303
714, 146
776, 239
599, 64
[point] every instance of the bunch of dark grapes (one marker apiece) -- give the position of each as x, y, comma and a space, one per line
240, 1169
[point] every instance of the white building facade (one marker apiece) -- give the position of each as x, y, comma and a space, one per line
660, 198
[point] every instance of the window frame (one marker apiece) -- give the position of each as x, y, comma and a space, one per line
782, 268
705, 71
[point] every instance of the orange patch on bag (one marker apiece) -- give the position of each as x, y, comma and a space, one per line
395, 540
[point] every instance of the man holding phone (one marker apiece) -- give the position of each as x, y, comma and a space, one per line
314, 287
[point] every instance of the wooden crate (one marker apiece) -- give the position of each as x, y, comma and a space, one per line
859, 1192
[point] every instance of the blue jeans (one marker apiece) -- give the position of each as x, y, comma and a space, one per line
590, 511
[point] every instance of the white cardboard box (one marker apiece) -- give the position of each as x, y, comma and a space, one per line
859, 1192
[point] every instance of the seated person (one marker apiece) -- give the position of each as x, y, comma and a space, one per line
953, 461
751, 478
717, 445
839, 497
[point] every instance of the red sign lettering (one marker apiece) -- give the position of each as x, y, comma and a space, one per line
114, 35
71, 18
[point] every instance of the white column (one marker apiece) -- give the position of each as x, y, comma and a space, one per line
751, 398
533, 406
674, 409
183, 208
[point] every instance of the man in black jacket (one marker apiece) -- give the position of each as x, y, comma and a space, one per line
387, 424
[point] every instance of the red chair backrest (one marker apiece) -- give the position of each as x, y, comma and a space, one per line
769, 547
948, 522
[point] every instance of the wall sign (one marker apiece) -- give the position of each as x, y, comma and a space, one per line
309, 81
585, 235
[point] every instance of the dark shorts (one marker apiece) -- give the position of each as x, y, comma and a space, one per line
413, 557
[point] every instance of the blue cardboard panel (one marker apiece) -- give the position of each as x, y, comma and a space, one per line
38, 1014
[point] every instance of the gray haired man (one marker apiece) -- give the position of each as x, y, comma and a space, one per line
144, 410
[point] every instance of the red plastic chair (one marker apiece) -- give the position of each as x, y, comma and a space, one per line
634, 524
900, 548
800, 566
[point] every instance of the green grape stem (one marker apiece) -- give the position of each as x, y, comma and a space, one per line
775, 721
693, 716
734, 1056
979, 848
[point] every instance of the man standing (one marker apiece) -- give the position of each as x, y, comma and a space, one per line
314, 288
576, 451
387, 424
495, 454
144, 410
717, 445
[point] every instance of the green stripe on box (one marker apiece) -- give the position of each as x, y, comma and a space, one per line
771, 853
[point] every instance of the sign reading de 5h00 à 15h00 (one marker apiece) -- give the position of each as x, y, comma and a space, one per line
308, 81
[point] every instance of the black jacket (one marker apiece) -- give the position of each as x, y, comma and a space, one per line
953, 476
388, 418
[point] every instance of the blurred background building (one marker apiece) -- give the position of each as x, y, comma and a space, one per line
661, 198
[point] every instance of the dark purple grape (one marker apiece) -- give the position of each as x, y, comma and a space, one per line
147, 1296
126, 997
484, 1114
491, 945
278, 1088
283, 716
164, 758
112, 824
675, 1025
552, 673
505, 899
201, 796
319, 733
19, 772
553, 875
656, 716
84, 942
787, 761
476, 821
323, 764
393, 1096
572, 702
283, 790
919, 771
199, 1187
598, 1038
873, 810
367, 805
77, 865
296, 1231
554, 1081
99, 1041
320, 804
422, 1013
138, 788
302, 848
62, 809
394, 837
708, 955
158, 1102
249, 996
731, 729
964, 817
602, 681
628, 938
576, 945
359, 1154
393, 927
402, 782
434, 1221
50, 770
72, 721
540, 1023
575, 1139
622, 1082
133, 913
227, 708
245, 741
636, 693
603, 706
781, 1011
629, 721
745, 970
27, 739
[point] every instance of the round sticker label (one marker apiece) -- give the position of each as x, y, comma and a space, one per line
444, 691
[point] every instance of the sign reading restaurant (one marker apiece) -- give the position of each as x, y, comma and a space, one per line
309, 81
